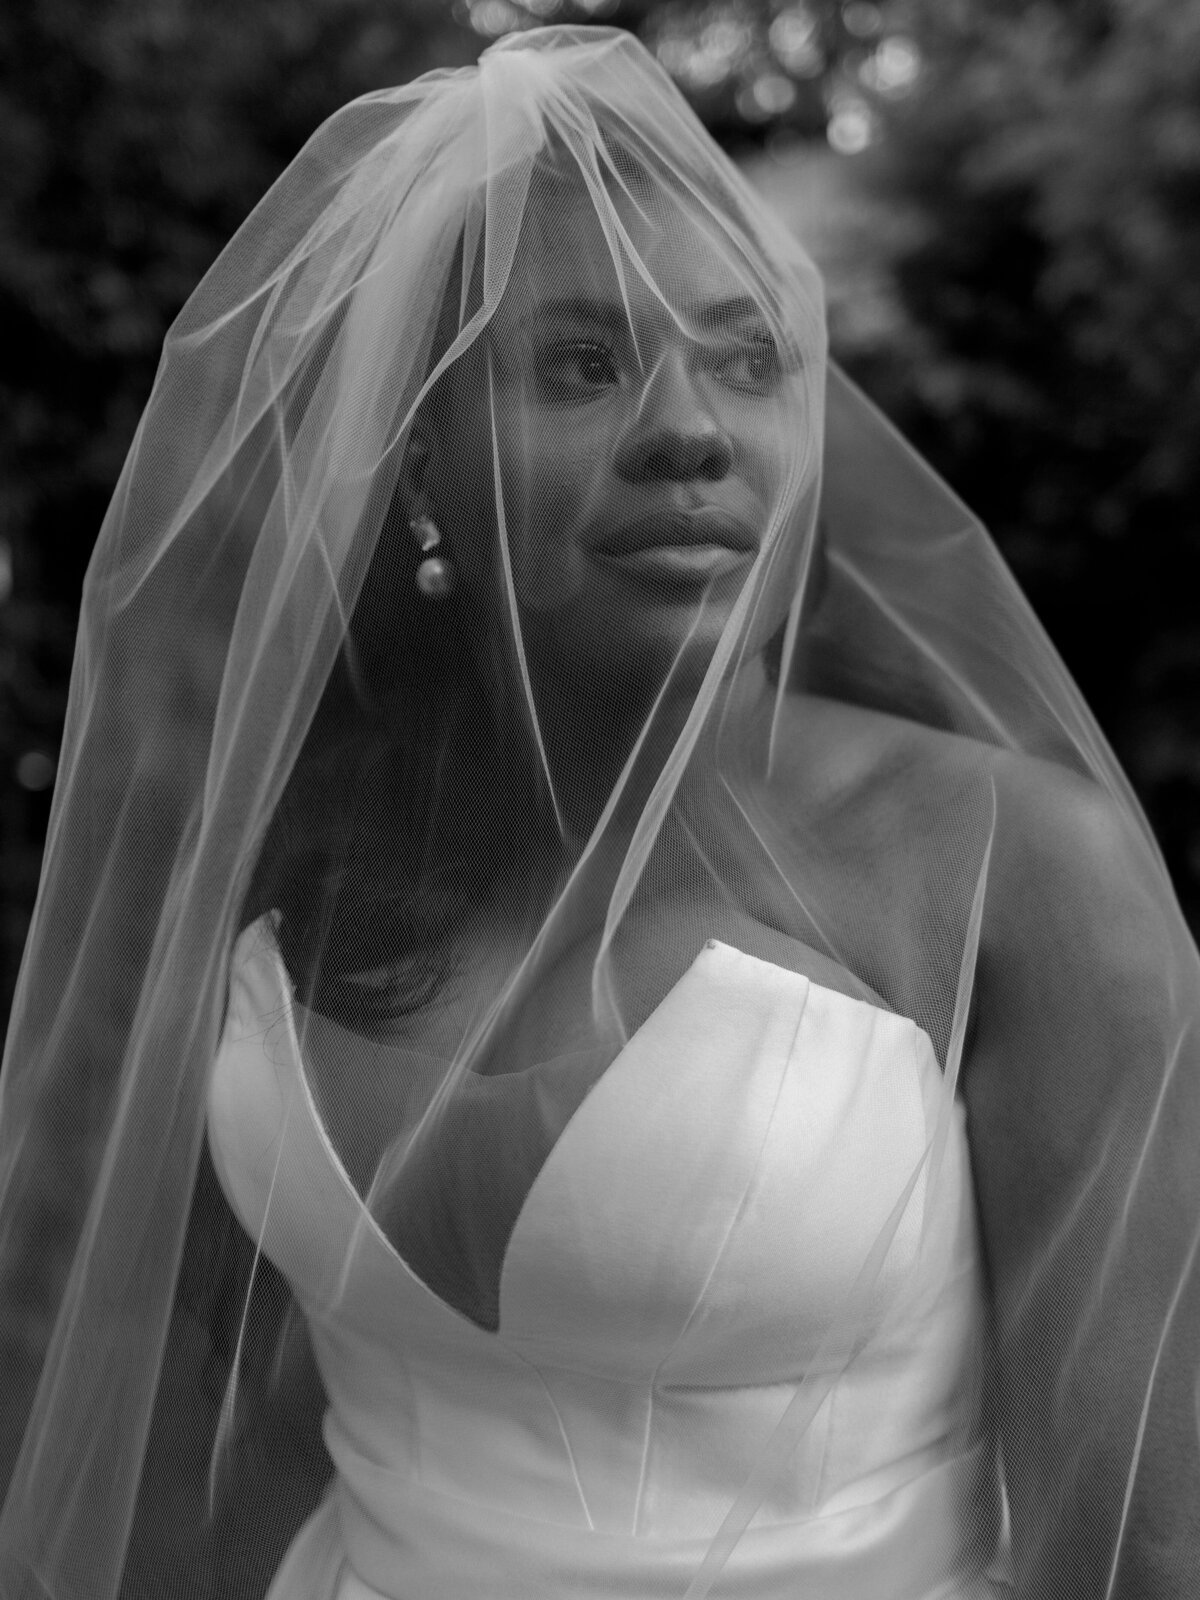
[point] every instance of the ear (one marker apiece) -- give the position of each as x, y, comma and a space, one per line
418, 451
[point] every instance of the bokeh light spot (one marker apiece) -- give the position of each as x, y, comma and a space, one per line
862, 19
795, 43
704, 51
893, 67
851, 126
768, 95
495, 17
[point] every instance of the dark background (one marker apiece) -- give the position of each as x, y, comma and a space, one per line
1005, 196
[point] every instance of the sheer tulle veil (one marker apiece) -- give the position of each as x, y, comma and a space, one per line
382, 657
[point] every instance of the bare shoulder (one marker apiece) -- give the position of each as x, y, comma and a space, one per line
1060, 843
848, 753
1073, 852
1046, 811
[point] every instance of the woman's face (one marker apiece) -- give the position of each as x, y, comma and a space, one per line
648, 436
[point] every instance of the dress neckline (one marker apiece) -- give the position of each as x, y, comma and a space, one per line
317, 1128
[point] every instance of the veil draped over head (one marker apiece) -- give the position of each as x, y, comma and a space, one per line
504, 605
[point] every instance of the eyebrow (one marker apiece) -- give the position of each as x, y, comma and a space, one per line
581, 307
717, 313
735, 308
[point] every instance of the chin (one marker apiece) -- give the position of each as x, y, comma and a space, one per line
647, 664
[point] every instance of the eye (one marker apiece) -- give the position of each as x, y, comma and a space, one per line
753, 364
576, 369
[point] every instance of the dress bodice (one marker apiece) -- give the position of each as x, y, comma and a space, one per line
756, 1228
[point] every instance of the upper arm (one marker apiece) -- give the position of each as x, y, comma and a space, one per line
1088, 984
1083, 1099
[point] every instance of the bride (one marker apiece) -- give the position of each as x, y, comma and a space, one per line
601, 1021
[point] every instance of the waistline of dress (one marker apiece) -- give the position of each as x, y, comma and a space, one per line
404, 1541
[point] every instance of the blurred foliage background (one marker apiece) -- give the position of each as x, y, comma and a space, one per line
1005, 197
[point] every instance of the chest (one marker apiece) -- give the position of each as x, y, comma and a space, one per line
592, 991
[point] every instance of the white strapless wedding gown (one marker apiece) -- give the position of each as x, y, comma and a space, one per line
667, 1292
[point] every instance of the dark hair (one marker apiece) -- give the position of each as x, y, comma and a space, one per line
406, 800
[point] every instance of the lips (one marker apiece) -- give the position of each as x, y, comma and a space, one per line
705, 527
677, 551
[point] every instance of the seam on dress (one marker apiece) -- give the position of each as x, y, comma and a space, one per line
738, 1212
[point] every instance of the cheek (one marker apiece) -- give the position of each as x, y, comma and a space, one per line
546, 511
768, 443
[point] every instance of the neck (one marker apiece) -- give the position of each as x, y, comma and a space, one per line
598, 738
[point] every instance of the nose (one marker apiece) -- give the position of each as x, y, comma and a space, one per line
674, 437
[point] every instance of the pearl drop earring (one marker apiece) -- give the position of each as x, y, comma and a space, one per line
435, 575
